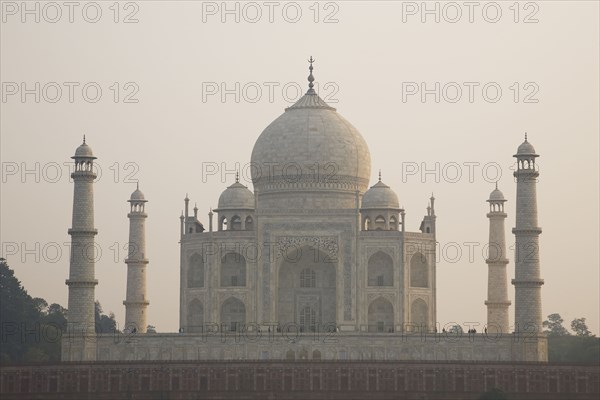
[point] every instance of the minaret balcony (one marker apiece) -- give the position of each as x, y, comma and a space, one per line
527, 172
81, 283
527, 231
141, 303
90, 175
83, 232
528, 282
136, 261
497, 261
137, 214
497, 304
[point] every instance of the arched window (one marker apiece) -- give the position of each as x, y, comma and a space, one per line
393, 223
379, 223
249, 223
380, 270
236, 223
308, 319
292, 298
233, 314
367, 225
381, 316
195, 277
419, 314
223, 224
419, 274
308, 278
233, 270
427, 230
195, 316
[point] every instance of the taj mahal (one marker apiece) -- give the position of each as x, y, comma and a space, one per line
311, 263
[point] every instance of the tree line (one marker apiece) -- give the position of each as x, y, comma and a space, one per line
31, 329
581, 346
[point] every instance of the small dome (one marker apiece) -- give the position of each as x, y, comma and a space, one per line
380, 196
496, 195
526, 149
137, 195
84, 151
236, 197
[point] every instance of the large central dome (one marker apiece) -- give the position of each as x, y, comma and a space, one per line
310, 148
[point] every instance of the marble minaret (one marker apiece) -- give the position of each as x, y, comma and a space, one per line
82, 282
136, 301
497, 300
528, 284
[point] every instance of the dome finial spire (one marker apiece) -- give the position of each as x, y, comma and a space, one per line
237, 176
379, 175
84, 139
525, 136
311, 78
496, 185
137, 185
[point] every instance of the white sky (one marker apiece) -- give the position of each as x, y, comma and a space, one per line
368, 57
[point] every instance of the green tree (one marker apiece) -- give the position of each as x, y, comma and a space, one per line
18, 314
554, 325
456, 329
56, 315
574, 349
54, 325
105, 324
40, 304
580, 328
32, 329
35, 354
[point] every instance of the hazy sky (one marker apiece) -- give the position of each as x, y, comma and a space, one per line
158, 120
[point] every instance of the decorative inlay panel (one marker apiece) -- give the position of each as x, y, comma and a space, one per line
327, 244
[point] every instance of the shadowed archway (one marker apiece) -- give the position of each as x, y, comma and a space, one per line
307, 290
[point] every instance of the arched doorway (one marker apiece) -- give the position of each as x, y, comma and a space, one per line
195, 277
233, 314
380, 270
381, 316
307, 290
233, 270
419, 276
195, 316
419, 315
